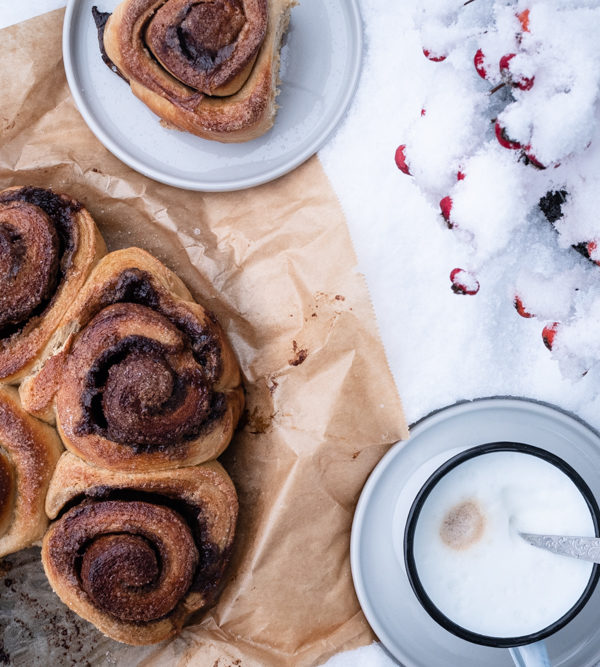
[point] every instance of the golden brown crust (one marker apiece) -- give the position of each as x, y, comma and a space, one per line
146, 378
7, 491
29, 451
249, 79
48, 246
136, 554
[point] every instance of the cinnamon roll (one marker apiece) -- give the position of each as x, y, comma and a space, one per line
29, 451
48, 246
146, 378
209, 67
136, 554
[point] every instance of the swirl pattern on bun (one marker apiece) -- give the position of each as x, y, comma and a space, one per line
209, 67
48, 246
147, 379
136, 554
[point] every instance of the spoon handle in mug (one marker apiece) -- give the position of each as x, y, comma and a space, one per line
584, 548
530, 655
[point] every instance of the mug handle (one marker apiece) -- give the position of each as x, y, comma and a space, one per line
530, 655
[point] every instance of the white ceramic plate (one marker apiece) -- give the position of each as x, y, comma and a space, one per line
382, 586
320, 66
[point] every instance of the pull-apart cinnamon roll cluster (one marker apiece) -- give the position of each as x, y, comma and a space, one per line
145, 393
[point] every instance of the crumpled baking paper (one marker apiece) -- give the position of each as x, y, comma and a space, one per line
276, 265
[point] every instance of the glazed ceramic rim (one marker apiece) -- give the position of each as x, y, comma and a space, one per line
413, 519
355, 35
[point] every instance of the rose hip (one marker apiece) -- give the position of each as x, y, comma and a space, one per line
463, 282
521, 308
446, 209
478, 62
400, 158
548, 334
503, 139
433, 57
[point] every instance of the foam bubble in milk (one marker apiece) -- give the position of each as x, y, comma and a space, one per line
473, 564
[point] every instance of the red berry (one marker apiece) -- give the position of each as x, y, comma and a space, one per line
430, 56
423, 112
446, 208
523, 82
478, 61
531, 157
504, 63
400, 158
549, 333
460, 175
503, 139
521, 308
590, 248
463, 282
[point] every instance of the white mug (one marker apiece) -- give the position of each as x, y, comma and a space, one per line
527, 650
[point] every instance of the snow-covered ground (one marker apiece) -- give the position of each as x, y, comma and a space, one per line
444, 346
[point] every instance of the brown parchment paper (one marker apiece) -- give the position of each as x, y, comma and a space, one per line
276, 265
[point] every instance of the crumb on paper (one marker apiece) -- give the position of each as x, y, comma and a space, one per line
299, 355
256, 422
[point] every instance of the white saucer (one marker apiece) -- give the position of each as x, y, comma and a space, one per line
382, 586
320, 67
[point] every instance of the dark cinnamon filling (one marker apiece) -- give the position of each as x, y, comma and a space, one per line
60, 209
135, 286
12, 253
132, 396
120, 560
207, 32
28, 264
32, 268
205, 44
135, 560
131, 286
100, 19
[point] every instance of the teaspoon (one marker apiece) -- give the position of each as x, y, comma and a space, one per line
584, 548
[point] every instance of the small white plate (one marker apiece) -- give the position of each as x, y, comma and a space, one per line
320, 67
382, 586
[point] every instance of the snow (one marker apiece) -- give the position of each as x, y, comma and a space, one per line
444, 346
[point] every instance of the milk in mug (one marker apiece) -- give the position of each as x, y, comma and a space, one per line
470, 559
